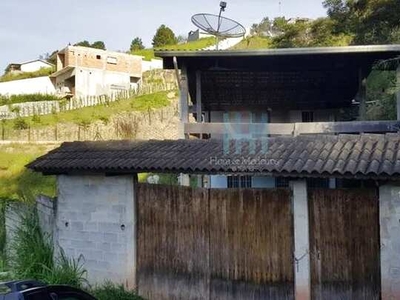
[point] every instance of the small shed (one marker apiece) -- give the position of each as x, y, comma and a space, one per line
298, 241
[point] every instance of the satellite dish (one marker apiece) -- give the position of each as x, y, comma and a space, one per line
219, 26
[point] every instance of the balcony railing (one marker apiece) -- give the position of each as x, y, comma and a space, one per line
293, 128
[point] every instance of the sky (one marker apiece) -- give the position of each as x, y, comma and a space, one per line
30, 28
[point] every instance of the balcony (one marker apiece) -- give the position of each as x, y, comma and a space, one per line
293, 129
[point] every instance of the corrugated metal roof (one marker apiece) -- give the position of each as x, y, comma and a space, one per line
363, 156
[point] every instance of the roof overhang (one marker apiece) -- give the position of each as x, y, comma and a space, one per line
64, 71
322, 78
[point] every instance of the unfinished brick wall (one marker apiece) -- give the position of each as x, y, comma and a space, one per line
105, 60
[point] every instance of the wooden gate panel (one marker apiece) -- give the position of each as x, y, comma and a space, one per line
251, 244
172, 242
214, 244
344, 244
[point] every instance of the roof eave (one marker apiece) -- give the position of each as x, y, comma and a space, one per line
280, 52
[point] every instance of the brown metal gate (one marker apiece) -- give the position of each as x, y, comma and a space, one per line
344, 244
214, 244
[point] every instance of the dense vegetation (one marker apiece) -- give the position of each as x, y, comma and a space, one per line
16, 182
26, 75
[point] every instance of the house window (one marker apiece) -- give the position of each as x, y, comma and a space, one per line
111, 60
98, 56
307, 116
239, 181
318, 183
282, 182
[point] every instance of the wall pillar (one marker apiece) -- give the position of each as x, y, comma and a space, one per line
301, 240
96, 219
389, 219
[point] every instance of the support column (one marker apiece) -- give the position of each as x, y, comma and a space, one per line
184, 106
389, 219
301, 240
184, 114
362, 95
398, 91
199, 113
132, 243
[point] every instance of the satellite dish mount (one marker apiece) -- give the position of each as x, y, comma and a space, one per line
219, 26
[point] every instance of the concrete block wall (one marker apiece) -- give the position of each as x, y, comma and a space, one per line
16, 211
46, 208
95, 220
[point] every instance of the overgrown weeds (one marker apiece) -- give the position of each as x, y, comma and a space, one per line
32, 255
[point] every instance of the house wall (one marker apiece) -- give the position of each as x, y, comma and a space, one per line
34, 66
389, 215
41, 85
92, 211
276, 116
94, 82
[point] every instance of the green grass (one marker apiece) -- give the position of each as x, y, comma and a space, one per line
148, 54
16, 182
254, 42
26, 75
6, 100
189, 46
87, 115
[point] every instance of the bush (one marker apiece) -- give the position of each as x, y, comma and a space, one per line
110, 291
12, 99
31, 252
20, 124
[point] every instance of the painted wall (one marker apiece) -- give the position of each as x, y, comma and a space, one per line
276, 116
94, 82
154, 64
301, 239
41, 85
96, 219
34, 66
389, 215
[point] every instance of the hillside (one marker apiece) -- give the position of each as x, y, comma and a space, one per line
148, 54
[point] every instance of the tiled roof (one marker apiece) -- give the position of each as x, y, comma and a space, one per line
372, 156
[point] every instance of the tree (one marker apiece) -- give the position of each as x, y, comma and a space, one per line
317, 33
370, 21
136, 44
84, 43
164, 36
98, 45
